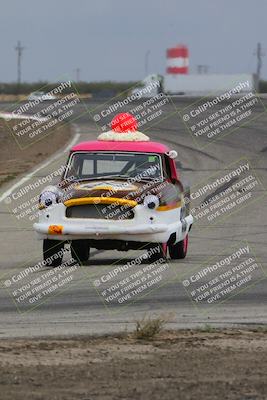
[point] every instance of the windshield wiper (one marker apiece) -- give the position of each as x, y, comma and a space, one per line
134, 178
103, 177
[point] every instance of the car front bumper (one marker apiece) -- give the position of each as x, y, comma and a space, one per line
147, 226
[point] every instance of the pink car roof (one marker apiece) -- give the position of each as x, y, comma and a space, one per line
101, 145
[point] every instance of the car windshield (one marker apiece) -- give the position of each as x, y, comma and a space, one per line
97, 165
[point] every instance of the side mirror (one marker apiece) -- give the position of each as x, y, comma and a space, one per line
172, 154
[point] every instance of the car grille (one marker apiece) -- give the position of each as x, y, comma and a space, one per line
100, 211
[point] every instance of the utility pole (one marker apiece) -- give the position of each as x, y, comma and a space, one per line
202, 69
146, 61
77, 70
19, 49
259, 54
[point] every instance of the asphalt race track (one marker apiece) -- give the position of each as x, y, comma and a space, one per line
79, 308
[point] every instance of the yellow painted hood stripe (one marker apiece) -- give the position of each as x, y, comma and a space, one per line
99, 200
168, 207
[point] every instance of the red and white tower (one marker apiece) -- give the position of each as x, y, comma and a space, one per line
178, 60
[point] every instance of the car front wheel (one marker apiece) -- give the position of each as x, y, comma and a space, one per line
158, 251
80, 250
179, 250
53, 252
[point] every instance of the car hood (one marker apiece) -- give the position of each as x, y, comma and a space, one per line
112, 188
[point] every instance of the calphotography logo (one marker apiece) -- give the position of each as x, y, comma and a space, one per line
43, 113
136, 278
222, 113
225, 277
147, 104
32, 286
226, 193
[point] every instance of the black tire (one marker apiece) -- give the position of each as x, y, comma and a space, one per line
179, 250
159, 252
52, 250
80, 250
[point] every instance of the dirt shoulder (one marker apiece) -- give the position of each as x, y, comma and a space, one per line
175, 365
15, 161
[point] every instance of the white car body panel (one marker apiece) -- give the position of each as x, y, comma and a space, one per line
146, 226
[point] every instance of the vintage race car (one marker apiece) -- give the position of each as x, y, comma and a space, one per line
121, 192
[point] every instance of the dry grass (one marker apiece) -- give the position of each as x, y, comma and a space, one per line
147, 328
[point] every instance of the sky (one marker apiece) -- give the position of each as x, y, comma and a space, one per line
108, 39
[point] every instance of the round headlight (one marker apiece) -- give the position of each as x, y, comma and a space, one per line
48, 198
151, 202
